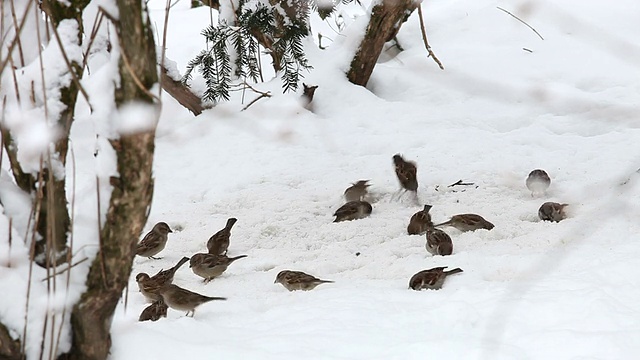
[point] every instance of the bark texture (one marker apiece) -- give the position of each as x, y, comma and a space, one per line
53, 221
385, 22
181, 93
131, 195
9, 348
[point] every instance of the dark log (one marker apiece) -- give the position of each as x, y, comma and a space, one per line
384, 24
181, 93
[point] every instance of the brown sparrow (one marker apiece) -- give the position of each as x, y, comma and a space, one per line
297, 280
181, 299
538, 182
468, 222
307, 95
406, 172
150, 286
218, 243
154, 311
357, 191
154, 241
353, 210
431, 279
420, 221
552, 211
210, 266
438, 242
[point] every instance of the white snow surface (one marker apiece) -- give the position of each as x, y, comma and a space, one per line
530, 289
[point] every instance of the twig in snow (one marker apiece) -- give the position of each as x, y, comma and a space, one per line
426, 42
522, 21
459, 182
246, 85
255, 100
629, 178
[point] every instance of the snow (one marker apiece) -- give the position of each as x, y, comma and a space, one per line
529, 290
135, 118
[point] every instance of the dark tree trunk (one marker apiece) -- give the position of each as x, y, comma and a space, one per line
214, 4
386, 19
9, 348
131, 195
267, 42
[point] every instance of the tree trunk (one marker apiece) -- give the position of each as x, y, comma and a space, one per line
385, 22
9, 348
131, 195
53, 220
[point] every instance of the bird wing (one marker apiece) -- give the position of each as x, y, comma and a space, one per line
346, 210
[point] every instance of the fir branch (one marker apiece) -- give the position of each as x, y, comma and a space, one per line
197, 61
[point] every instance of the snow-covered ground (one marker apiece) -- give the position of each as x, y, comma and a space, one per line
530, 290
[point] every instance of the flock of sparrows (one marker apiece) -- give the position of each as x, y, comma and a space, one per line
162, 293
159, 288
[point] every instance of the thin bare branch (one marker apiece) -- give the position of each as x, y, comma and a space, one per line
70, 250
66, 270
17, 30
97, 22
10, 240
2, 28
164, 42
246, 85
35, 215
255, 100
72, 70
15, 82
125, 60
101, 251
522, 21
136, 79
461, 183
13, 43
426, 41
44, 84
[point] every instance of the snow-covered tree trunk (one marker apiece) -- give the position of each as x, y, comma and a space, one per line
53, 221
386, 18
132, 189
